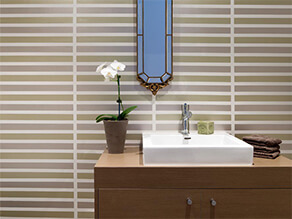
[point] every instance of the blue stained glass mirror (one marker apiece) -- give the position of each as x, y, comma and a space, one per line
154, 43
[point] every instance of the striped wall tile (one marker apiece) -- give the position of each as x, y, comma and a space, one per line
232, 64
37, 148
262, 53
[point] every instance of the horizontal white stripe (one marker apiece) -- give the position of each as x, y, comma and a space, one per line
102, 131
200, 64
15, 209
109, 15
202, 35
259, 113
34, 83
32, 151
38, 63
111, 44
37, 73
37, 160
98, 63
105, 53
107, 5
263, 25
90, 151
286, 151
200, 25
288, 103
202, 74
197, 112
176, 15
36, 5
108, 34
21, 93
34, 122
243, 45
37, 189
207, 6
17, 15
32, 63
263, 54
36, 199
258, 122
39, 102
178, 45
103, 141
36, 24
35, 35
252, 93
37, 141
261, 16
201, 54
220, 103
68, 5
263, 6
130, 122
262, 45
192, 122
142, 112
146, 93
106, 24
35, 180
263, 83
263, 74
263, 64
37, 44
263, 132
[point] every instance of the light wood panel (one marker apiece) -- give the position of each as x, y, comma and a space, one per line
127, 171
149, 203
247, 203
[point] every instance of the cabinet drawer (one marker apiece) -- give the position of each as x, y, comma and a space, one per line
247, 203
148, 203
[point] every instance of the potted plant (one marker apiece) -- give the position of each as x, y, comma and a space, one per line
115, 126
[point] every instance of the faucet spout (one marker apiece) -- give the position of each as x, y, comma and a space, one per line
186, 115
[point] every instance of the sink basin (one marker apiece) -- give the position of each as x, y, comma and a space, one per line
215, 149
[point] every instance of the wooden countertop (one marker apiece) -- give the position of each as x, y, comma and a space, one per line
134, 158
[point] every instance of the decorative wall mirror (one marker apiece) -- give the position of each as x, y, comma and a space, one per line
154, 43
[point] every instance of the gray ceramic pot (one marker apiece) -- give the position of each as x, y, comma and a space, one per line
115, 132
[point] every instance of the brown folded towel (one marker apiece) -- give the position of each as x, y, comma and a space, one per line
266, 149
266, 155
262, 140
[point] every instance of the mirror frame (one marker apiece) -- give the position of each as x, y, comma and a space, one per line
154, 87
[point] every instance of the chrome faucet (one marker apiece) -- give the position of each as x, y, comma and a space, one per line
186, 115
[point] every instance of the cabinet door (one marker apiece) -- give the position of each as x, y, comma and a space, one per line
148, 203
247, 203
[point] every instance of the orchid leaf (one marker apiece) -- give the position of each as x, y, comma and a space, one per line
106, 117
125, 113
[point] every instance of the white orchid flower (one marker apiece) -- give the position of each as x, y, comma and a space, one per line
100, 67
108, 73
118, 66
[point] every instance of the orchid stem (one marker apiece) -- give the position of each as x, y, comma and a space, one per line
119, 95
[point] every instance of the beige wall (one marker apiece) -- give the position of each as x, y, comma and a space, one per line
232, 64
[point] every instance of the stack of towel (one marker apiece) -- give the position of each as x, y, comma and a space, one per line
264, 146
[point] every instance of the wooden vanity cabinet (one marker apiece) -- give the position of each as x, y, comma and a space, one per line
149, 203
247, 203
125, 188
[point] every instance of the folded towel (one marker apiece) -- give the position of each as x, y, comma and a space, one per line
266, 149
262, 140
266, 155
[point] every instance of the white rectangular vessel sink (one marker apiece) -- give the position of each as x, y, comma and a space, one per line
216, 149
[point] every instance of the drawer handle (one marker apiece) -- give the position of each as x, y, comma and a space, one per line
189, 201
213, 202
